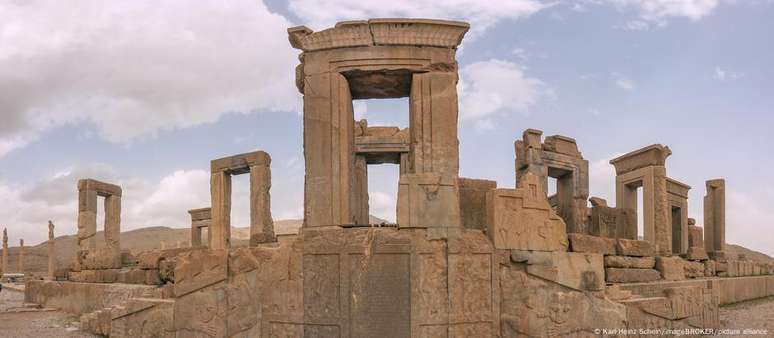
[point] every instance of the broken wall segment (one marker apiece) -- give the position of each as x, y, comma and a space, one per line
645, 168
557, 157
258, 165
108, 257
522, 219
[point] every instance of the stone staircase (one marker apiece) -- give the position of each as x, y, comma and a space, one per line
110, 321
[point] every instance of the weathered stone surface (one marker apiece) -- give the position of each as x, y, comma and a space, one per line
710, 268
198, 269
694, 269
534, 307
613, 222
715, 216
591, 244
619, 275
630, 262
671, 268
695, 234
580, 271
625, 247
473, 202
81, 298
696, 254
522, 219
143, 317
428, 200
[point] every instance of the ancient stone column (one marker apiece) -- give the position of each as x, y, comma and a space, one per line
261, 223
661, 211
5, 250
21, 256
51, 254
361, 191
113, 225
715, 216
220, 228
87, 218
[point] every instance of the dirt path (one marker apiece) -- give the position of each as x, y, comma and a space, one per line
756, 316
15, 322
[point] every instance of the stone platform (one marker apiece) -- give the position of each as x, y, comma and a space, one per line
729, 290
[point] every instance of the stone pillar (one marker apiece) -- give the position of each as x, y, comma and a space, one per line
220, 228
715, 216
87, 219
113, 225
5, 251
428, 196
261, 223
361, 191
328, 150
695, 234
433, 113
51, 253
196, 236
21, 256
662, 212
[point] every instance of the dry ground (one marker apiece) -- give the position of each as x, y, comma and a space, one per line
753, 315
38, 324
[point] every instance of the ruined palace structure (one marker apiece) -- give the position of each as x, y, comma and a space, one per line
466, 258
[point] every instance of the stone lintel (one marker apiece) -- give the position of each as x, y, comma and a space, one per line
360, 33
677, 188
241, 163
200, 214
102, 188
652, 155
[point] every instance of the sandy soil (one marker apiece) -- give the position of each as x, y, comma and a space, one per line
756, 316
36, 324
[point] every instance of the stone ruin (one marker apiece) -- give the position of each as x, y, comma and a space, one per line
466, 258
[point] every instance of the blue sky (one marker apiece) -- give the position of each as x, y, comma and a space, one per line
147, 93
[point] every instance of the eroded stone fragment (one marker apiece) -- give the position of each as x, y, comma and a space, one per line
591, 244
630, 262
620, 275
626, 247
671, 268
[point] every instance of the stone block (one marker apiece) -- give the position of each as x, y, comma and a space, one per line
580, 271
198, 269
696, 254
709, 268
630, 262
671, 268
637, 248
473, 202
694, 269
522, 219
428, 200
591, 244
619, 275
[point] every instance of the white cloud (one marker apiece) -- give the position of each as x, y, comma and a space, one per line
726, 75
623, 82
382, 205
134, 68
655, 13
321, 14
492, 86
